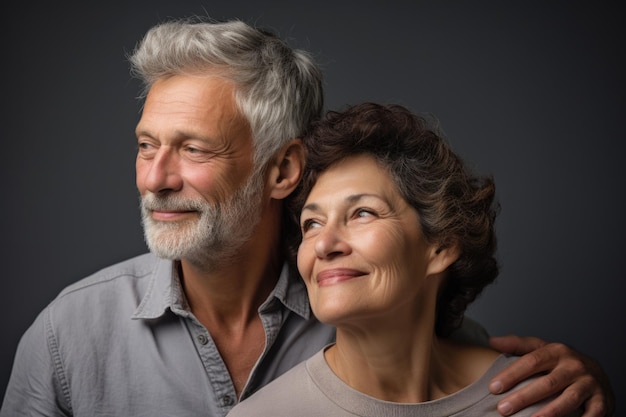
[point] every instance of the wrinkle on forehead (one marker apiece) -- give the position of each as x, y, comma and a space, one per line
189, 103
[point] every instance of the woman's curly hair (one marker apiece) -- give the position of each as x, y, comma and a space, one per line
454, 206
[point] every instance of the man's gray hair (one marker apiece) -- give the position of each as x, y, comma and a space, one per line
277, 89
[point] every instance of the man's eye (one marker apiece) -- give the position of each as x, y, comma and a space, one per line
146, 149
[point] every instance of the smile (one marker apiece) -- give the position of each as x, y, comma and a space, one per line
333, 276
168, 216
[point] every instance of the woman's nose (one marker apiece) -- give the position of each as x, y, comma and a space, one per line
332, 241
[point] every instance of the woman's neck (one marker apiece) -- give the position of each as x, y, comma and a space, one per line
408, 365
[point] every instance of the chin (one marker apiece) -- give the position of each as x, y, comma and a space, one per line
333, 313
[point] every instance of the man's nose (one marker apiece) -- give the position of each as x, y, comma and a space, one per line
163, 173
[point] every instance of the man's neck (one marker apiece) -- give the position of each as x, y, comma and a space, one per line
226, 300
231, 293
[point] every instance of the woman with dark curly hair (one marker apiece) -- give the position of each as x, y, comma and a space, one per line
397, 238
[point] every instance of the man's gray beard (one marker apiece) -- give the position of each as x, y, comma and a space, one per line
212, 239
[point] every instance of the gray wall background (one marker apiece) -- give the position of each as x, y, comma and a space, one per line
532, 93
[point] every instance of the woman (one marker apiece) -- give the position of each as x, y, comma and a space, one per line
397, 239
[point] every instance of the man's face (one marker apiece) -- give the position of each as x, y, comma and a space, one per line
194, 160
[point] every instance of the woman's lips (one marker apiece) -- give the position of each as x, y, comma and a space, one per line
333, 276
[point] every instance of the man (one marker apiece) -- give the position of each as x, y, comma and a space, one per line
214, 312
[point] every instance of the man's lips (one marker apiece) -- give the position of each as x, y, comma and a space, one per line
333, 276
169, 215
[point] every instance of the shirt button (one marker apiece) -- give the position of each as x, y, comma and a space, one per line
202, 339
227, 401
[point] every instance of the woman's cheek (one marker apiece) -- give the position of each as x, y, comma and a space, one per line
304, 265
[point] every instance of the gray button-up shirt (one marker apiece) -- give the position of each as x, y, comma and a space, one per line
123, 342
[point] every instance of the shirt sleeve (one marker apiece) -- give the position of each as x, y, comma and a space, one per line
35, 388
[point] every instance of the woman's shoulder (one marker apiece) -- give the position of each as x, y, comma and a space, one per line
478, 359
462, 363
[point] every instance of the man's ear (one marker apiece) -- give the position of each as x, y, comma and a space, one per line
441, 257
286, 169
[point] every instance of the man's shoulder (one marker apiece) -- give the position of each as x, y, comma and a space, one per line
106, 299
118, 288
130, 270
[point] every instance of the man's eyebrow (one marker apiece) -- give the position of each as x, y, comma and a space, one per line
179, 134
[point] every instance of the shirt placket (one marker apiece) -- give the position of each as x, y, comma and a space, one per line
271, 319
216, 370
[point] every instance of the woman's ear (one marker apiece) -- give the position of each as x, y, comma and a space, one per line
286, 169
441, 257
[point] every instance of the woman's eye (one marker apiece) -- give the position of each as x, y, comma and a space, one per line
364, 212
309, 224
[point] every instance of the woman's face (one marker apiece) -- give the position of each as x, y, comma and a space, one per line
362, 254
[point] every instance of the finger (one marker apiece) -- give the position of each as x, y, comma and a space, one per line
516, 345
533, 363
536, 390
562, 401
570, 400
596, 407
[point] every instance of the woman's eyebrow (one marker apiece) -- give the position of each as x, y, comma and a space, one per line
353, 198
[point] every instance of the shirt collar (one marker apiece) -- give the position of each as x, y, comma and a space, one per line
291, 292
165, 291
